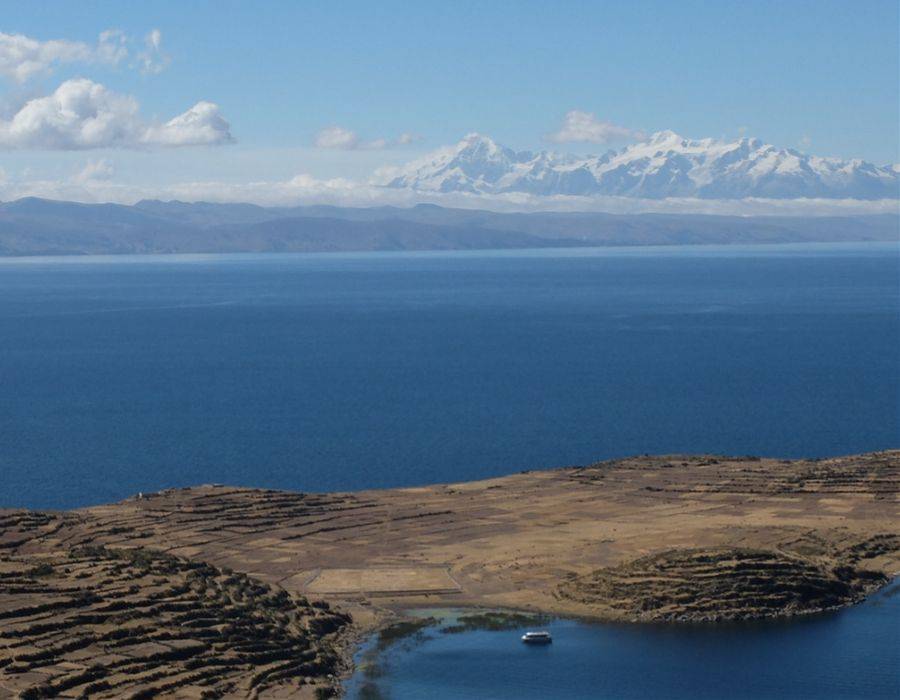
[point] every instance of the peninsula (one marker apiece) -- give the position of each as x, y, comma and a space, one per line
219, 591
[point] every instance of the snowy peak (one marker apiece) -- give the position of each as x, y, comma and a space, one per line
665, 137
475, 144
664, 165
472, 165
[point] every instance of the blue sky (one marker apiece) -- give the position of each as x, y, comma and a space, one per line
820, 76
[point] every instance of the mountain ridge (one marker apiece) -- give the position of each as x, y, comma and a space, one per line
33, 226
664, 165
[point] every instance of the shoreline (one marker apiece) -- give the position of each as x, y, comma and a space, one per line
368, 653
394, 615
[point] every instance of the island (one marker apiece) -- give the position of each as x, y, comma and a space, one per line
221, 591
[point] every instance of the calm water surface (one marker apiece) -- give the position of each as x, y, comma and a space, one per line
853, 653
324, 372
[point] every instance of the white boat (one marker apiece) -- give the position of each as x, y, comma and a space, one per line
537, 638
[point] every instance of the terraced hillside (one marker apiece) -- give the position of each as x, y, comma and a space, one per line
720, 584
244, 600
98, 622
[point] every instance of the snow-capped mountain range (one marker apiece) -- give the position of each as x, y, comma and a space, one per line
665, 165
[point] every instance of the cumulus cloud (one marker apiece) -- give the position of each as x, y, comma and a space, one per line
82, 114
23, 58
584, 127
79, 114
201, 125
152, 59
339, 138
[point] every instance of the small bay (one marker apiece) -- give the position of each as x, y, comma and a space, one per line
850, 653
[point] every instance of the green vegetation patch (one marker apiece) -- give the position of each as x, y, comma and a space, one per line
403, 630
495, 621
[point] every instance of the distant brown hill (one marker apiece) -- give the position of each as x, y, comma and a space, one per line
34, 226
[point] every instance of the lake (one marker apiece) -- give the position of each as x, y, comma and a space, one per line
851, 653
349, 371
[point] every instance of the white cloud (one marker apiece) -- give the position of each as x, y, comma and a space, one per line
94, 170
23, 58
152, 60
82, 114
112, 48
805, 141
201, 125
79, 114
339, 138
584, 127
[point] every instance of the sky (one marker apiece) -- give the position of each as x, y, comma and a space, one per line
240, 92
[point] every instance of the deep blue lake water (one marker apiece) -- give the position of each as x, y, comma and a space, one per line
852, 653
326, 372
